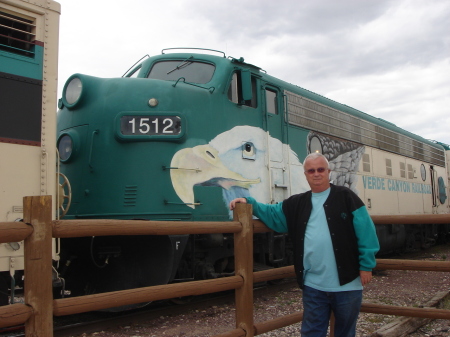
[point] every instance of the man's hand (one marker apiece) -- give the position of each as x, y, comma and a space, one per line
233, 202
366, 276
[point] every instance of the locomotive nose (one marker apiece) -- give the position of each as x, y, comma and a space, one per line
201, 165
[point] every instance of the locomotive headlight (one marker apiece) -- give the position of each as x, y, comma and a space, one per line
72, 91
66, 147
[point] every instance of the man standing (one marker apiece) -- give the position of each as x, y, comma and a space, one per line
334, 242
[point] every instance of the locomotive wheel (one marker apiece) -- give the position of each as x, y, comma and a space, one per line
64, 194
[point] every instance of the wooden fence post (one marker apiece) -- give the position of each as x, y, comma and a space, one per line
38, 266
243, 253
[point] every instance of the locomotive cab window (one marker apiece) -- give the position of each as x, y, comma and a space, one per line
271, 102
236, 90
191, 71
134, 73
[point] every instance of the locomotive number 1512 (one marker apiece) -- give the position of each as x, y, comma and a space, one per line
150, 125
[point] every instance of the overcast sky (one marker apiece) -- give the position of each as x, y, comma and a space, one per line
388, 58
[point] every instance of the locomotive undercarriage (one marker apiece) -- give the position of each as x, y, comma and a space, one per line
398, 238
212, 255
102, 264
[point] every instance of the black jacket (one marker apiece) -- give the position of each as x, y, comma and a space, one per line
339, 208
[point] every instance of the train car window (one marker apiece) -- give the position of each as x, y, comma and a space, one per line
423, 172
315, 145
366, 162
16, 35
134, 73
192, 71
388, 167
402, 170
15, 110
235, 91
271, 102
410, 172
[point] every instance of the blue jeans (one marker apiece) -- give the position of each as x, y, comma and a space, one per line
317, 307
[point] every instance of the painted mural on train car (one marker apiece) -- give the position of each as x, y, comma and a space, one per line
236, 161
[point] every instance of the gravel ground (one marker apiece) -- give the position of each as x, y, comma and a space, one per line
393, 287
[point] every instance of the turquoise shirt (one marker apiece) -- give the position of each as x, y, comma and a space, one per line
320, 270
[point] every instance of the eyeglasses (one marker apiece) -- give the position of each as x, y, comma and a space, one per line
319, 170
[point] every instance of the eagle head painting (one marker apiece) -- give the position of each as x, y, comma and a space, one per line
238, 161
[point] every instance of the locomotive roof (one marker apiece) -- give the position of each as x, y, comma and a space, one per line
360, 114
296, 89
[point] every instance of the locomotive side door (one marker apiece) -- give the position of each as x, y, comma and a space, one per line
273, 112
277, 152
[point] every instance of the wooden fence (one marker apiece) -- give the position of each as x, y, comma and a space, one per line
39, 308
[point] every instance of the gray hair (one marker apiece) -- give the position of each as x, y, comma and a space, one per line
316, 155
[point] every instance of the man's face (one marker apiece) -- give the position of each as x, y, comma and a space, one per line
317, 174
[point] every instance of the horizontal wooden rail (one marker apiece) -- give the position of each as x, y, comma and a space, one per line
419, 265
273, 274
14, 314
382, 264
405, 311
416, 219
76, 305
278, 323
14, 231
411, 219
102, 227
260, 227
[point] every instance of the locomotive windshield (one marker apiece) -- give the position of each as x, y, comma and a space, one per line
192, 71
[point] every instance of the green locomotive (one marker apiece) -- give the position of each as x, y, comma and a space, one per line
184, 132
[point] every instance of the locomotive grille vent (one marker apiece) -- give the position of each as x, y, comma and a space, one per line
130, 196
318, 117
17, 35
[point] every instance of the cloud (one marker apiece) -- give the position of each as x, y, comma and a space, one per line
412, 97
385, 57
